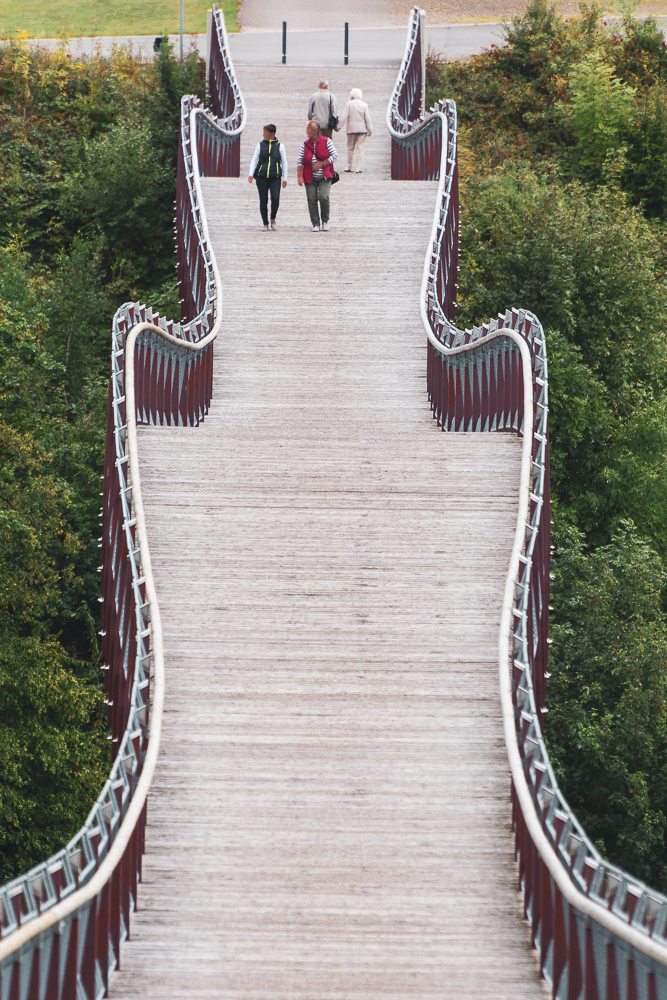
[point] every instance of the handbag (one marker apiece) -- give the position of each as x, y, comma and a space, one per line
333, 121
335, 176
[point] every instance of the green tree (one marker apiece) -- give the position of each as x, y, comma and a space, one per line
87, 183
123, 195
562, 156
53, 749
602, 108
54, 755
589, 266
607, 722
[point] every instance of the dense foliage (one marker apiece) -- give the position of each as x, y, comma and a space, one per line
87, 178
563, 153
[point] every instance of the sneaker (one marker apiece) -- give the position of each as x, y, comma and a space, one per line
266, 229
316, 229
347, 170
273, 224
325, 227
358, 171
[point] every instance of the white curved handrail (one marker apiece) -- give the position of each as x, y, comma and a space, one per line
92, 888
34, 925
239, 100
393, 114
634, 936
60, 911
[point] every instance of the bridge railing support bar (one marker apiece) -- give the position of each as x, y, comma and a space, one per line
422, 36
284, 42
347, 40
209, 29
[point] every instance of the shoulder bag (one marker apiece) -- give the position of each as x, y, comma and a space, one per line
335, 176
333, 121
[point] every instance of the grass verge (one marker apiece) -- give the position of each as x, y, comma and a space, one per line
84, 18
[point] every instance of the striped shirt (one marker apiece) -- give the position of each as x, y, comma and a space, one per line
318, 175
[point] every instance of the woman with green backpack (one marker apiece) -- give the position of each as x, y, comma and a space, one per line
268, 167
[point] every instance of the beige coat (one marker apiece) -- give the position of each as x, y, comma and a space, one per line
355, 117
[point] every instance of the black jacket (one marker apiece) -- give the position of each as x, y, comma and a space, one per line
269, 164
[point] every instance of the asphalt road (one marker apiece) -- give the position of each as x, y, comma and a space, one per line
367, 46
319, 49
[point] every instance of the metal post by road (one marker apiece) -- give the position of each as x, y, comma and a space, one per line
284, 42
347, 39
181, 30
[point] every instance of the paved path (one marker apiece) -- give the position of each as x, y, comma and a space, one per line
315, 14
330, 818
367, 47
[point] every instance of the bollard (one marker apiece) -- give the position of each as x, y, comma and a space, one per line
347, 38
284, 42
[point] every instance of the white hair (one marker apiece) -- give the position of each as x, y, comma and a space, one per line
323, 84
356, 94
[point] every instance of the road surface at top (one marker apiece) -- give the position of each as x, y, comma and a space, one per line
324, 48
320, 49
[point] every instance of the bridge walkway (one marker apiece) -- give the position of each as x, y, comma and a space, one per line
330, 817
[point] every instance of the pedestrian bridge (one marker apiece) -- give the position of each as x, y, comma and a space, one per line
330, 570
325, 620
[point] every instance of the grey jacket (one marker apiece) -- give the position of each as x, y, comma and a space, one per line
318, 107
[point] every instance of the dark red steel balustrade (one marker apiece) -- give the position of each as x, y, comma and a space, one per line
568, 889
71, 958
225, 102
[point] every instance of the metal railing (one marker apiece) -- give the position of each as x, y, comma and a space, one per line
62, 924
599, 932
225, 97
406, 108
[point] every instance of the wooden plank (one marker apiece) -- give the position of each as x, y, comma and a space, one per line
330, 817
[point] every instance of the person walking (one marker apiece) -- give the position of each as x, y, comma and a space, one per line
314, 168
322, 107
357, 123
269, 169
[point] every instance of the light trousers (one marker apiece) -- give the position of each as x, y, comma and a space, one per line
355, 150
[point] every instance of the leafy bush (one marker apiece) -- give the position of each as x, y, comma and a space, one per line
585, 261
563, 161
52, 111
87, 184
122, 197
54, 756
53, 750
608, 696
567, 96
644, 175
602, 108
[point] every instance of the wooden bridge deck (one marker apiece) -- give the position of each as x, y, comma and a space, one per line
330, 817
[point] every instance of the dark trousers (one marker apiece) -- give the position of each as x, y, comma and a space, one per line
264, 186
